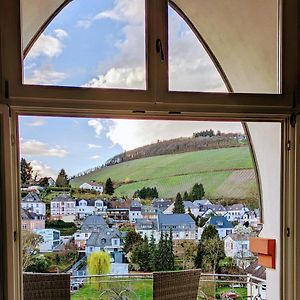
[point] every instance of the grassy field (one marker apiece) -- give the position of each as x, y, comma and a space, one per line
142, 288
179, 172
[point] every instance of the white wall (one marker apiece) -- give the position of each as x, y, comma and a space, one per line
266, 138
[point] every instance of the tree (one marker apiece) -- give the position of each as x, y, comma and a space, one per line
141, 254
213, 252
30, 247
98, 263
39, 265
153, 250
62, 179
186, 196
109, 189
170, 253
178, 205
25, 171
210, 249
189, 252
197, 192
131, 240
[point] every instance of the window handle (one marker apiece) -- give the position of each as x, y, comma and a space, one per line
159, 49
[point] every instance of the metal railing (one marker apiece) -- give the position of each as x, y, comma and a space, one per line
140, 287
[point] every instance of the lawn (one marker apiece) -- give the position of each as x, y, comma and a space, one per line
142, 288
175, 173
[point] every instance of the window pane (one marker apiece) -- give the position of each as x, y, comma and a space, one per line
246, 51
91, 44
190, 67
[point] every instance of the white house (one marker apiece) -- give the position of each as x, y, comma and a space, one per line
223, 226
51, 182
51, 239
235, 212
183, 227
89, 207
147, 227
135, 213
251, 218
63, 206
236, 246
93, 223
106, 239
33, 203
92, 186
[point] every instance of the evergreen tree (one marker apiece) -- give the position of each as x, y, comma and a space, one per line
25, 171
141, 254
109, 189
178, 205
186, 196
160, 253
171, 257
153, 250
197, 192
62, 179
210, 249
133, 238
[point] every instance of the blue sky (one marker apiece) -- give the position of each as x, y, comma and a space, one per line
98, 44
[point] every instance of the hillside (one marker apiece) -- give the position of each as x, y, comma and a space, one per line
226, 173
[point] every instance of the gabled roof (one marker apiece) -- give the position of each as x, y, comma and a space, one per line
174, 219
103, 238
235, 207
29, 215
241, 237
202, 202
189, 204
161, 204
90, 202
31, 197
256, 270
94, 220
219, 222
146, 224
63, 198
93, 184
214, 207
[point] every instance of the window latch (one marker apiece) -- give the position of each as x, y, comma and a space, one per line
159, 49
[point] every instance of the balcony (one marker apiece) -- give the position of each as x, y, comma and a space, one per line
148, 286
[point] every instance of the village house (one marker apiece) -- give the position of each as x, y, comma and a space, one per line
235, 212
92, 186
161, 204
252, 218
63, 207
106, 239
257, 283
202, 202
31, 221
150, 212
94, 223
223, 226
51, 239
207, 210
89, 207
147, 227
183, 227
236, 246
33, 203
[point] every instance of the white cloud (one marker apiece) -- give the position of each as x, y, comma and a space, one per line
43, 169
49, 45
60, 33
130, 78
93, 146
44, 75
96, 124
130, 134
129, 11
37, 122
37, 148
95, 157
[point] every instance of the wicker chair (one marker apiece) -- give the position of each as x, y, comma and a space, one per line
39, 286
181, 285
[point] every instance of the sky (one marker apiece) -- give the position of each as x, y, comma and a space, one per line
93, 43
77, 144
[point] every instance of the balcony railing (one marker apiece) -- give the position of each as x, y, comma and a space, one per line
140, 287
